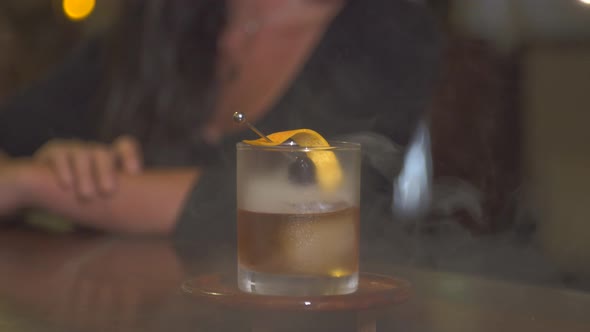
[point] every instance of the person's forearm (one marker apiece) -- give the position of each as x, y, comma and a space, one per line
145, 203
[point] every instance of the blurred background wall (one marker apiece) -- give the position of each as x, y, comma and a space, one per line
37, 34
550, 42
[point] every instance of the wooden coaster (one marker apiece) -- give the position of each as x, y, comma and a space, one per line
374, 292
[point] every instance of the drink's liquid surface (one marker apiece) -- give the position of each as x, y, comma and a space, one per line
311, 244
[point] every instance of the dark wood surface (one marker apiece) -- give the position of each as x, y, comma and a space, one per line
82, 282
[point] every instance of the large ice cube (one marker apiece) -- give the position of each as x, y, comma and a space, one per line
319, 243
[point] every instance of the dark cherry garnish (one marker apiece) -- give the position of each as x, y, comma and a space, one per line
302, 171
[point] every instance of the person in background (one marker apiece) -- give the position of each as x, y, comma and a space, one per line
134, 132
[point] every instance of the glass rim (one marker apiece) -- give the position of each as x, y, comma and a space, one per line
334, 146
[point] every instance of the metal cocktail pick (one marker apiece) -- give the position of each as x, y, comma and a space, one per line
240, 118
301, 169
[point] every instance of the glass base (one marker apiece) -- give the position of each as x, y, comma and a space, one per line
286, 285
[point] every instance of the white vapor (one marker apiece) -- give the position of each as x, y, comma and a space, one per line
412, 190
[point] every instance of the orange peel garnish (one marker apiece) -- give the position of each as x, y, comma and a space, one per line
329, 172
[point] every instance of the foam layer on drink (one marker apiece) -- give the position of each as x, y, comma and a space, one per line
271, 195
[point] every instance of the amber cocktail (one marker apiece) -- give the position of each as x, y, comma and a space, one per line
298, 219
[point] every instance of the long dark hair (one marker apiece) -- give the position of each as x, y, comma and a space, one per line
160, 83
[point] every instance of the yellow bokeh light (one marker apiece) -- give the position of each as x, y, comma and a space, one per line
77, 10
587, 2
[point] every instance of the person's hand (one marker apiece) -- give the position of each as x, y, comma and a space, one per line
90, 168
13, 186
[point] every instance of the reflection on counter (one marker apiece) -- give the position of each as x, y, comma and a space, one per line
86, 282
